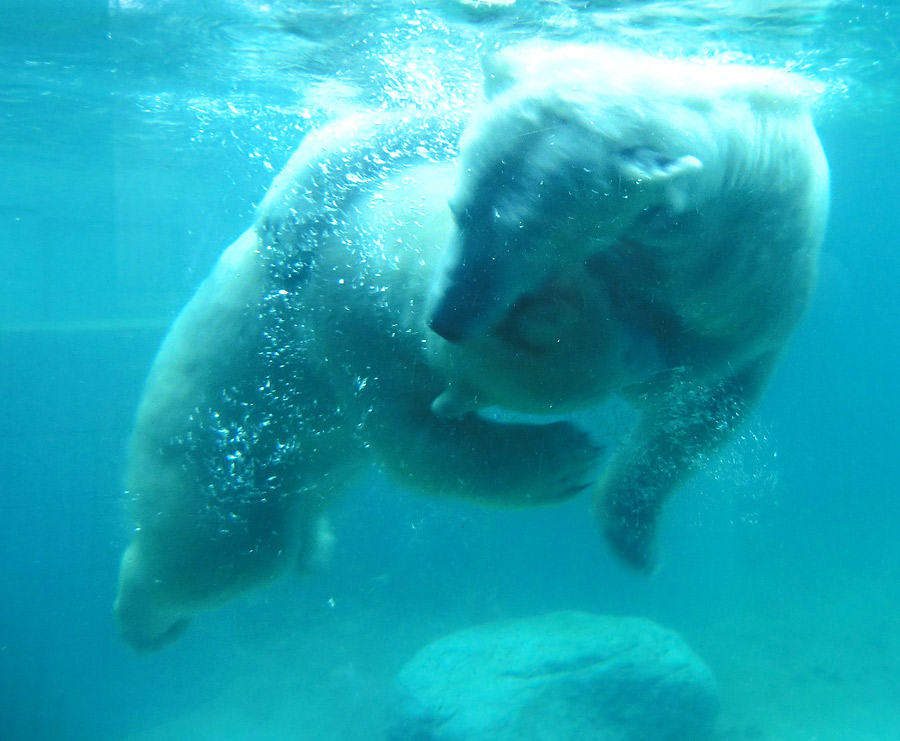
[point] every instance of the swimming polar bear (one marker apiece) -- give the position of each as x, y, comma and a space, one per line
679, 205
617, 224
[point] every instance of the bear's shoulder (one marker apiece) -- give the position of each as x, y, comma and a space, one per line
592, 69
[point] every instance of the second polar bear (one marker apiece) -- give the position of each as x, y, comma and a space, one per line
616, 224
679, 205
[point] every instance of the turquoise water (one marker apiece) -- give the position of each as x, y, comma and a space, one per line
135, 141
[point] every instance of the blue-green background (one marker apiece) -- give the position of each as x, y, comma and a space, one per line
135, 140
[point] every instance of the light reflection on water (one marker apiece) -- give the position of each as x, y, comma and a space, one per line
161, 65
140, 137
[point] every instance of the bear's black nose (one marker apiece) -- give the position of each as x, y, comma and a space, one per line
441, 324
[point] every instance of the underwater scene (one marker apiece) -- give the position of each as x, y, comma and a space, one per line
449, 370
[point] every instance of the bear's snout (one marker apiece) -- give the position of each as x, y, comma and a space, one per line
468, 303
463, 310
440, 326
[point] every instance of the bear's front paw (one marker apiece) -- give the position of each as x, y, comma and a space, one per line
565, 464
629, 525
454, 402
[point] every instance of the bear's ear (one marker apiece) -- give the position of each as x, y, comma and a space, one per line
501, 72
519, 65
651, 170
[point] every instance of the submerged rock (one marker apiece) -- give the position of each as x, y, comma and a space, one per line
567, 676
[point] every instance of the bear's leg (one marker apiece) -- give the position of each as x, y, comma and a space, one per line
474, 458
673, 438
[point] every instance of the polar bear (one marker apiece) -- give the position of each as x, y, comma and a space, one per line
301, 360
684, 203
616, 224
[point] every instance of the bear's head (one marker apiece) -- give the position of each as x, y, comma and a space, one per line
548, 175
